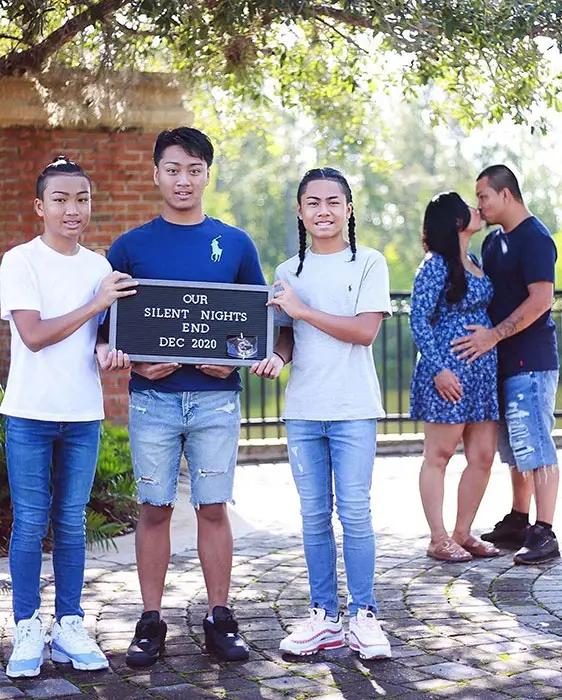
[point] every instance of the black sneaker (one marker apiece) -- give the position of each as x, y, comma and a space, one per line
222, 638
540, 546
510, 532
148, 642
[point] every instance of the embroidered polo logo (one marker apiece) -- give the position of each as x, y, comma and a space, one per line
216, 250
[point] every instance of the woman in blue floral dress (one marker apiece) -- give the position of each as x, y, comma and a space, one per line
456, 400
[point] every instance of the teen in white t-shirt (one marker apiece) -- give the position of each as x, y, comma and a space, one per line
60, 382
53, 291
332, 298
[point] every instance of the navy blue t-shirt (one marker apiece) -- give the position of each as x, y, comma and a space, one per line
211, 251
513, 260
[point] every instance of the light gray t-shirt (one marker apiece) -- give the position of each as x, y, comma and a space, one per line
331, 379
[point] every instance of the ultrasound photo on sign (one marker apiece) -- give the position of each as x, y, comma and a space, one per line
241, 346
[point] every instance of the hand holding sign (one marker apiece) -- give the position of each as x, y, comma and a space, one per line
218, 371
115, 286
270, 368
111, 360
155, 370
287, 300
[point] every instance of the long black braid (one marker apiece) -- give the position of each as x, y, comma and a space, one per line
351, 235
302, 244
325, 174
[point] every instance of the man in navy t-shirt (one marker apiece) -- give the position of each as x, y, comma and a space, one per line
519, 259
175, 409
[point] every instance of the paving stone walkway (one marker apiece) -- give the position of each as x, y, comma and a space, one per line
483, 629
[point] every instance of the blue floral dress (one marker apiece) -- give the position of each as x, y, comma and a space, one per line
434, 324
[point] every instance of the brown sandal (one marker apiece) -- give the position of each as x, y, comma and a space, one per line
448, 550
479, 548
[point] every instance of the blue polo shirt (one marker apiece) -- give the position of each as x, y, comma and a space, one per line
211, 251
512, 261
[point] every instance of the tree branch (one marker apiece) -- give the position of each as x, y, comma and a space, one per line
541, 29
340, 16
377, 23
18, 62
340, 33
18, 39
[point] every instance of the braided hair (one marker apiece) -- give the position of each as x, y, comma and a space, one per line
336, 176
61, 165
445, 216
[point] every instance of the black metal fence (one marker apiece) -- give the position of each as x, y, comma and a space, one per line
395, 354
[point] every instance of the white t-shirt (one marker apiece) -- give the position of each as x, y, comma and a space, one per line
60, 382
331, 379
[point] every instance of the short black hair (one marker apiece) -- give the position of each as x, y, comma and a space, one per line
61, 165
501, 178
194, 142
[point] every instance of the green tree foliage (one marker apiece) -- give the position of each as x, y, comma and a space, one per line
256, 176
254, 186
325, 57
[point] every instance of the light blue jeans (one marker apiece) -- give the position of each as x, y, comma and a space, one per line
51, 469
327, 456
527, 403
203, 425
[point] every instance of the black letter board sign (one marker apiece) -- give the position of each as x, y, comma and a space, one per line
194, 323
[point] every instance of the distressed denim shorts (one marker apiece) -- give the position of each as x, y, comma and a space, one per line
202, 425
527, 404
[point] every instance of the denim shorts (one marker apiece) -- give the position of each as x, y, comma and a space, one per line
527, 403
202, 425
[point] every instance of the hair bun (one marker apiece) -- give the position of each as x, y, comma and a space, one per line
60, 165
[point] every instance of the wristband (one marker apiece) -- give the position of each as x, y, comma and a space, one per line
280, 357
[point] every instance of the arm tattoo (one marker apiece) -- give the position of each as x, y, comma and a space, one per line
509, 327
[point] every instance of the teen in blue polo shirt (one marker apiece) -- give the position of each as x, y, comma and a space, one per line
520, 259
177, 409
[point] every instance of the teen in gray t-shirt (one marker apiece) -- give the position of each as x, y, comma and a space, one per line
332, 299
332, 379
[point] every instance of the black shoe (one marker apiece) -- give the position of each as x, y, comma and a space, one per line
222, 638
148, 642
540, 546
509, 532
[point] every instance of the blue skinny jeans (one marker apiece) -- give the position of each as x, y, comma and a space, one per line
51, 469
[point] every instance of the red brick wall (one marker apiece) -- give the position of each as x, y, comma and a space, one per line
120, 165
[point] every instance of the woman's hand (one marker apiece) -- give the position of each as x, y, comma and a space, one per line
448, 386
480, 341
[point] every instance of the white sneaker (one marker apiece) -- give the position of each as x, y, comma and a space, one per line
29, 648
367, 637
318, 632
71, 643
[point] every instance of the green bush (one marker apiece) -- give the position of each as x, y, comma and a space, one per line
112, 509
